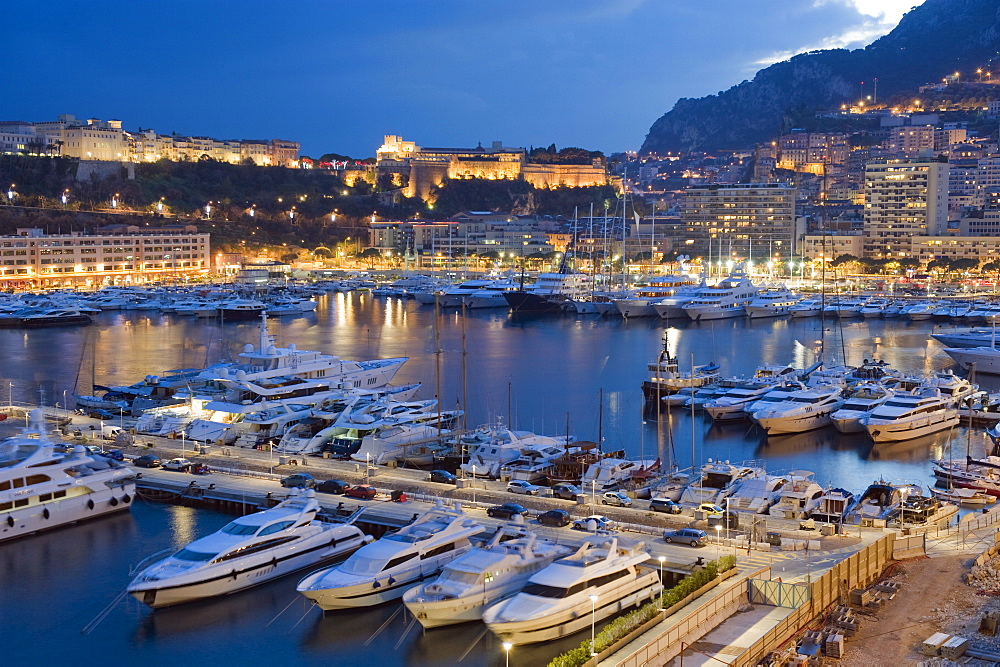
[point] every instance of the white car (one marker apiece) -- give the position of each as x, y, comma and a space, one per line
180, 465
594, 522
616, 498
520, 486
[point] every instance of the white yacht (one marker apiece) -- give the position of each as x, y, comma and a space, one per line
555, 602
908, 416
756, 492
951, 387
800, 411
491, 448
833, 505
984, 359
611, 472
806, 308
775, 396
385, 569
551, 292
965, 337
41, 487
481, 577
865, 398
873, 308
642, 302
716, 480
732, 404
724, 300
246, 552
799, 497
772, 302
879, 500
479, 293
392, 442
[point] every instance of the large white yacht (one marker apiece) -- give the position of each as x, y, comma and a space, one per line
478, 293
489, 449
865, 398
724, 300
551, 292
248, 551
799, 497
772, 302
387, 568
42, 488
732, 404
800, 411
555, 602
485, 575
984, 359
908, 416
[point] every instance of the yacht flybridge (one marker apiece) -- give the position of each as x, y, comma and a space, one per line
387, 568
555, 603
248, 551
42, 488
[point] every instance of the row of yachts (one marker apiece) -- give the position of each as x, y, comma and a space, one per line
887, 405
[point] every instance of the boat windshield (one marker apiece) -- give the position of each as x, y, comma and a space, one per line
196, 556
237, 528
460, 577
541, 590
360, 565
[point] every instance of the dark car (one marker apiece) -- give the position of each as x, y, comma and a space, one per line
557, 518
362, 491
147, 461
566, 491
113, 454
506, 511
443, 477
664, 505
300, 480
332, 486
691, 536
100, 413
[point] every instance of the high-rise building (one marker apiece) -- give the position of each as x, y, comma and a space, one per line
744, 220
904, 197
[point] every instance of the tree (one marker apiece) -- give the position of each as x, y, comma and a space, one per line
289, 257
322, 252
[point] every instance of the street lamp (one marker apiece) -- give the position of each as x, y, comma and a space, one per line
507, 646
718, 541
661, 559
593, 492
10, 394
593, 619
473, 483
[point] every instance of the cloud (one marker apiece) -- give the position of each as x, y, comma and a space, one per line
875, 19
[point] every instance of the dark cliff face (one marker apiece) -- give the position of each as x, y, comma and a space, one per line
939, 37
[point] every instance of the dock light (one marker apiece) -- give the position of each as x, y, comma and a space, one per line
507, 646
593, 616
718, 540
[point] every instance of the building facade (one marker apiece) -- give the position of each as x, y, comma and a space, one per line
116, 254
743, 220
904, 198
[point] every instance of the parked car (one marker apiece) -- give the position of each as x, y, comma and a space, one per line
691, 536
600, 522
520, 486
362, 491
557, 518
146, 461
711, 508
178, 465
664, 505
443, 477
616, 498
113, 454
100, 413
566, 491
300, 480
332, 486
506, 511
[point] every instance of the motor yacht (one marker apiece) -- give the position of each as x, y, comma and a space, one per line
731, 405
965, 337
554, 602
863, 399
775, 396
772, 302
485, 575
985, 359
806, 308
873, 308
550, 292
756, 492
717, 480
385, 569
491, 448
724, 300
612, 472
832, 506
665, 376
248, 551
43, 487
879, 500
799, 497
802, 410
392, 442
908, 416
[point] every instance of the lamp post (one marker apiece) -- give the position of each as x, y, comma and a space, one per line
473, 483
507, 646
10, 394
661, 559
718, 541
593, 620
593, 492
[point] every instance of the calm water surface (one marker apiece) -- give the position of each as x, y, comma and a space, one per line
538, 373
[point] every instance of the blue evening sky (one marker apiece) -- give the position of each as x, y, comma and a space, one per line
337, 75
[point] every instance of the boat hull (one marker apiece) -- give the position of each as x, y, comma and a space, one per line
893, 432
23, 521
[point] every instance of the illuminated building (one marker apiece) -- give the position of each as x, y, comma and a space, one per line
744, 219
904, 198
116, 254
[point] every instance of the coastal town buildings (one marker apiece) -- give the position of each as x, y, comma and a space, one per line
114, 254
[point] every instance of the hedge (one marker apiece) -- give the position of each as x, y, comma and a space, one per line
623, 626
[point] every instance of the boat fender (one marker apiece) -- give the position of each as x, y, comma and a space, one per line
376, 585
274, 562
333, 543
45, 512
10, 521
233, 575
90, 504
114, 501
126, 499
392, 580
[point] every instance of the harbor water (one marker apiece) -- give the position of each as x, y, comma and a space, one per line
547, 374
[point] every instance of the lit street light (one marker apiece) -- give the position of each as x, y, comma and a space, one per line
473, 483
718, 540
506, 647
661, 559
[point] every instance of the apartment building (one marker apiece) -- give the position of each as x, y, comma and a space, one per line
904, 198
745, 219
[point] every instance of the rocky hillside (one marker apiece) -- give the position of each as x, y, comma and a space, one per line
940, 36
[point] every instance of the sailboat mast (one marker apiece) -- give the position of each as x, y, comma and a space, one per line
437, 356
600, 421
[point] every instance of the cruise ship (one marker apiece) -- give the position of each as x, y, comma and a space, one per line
41, 487
554, 604
249, 551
